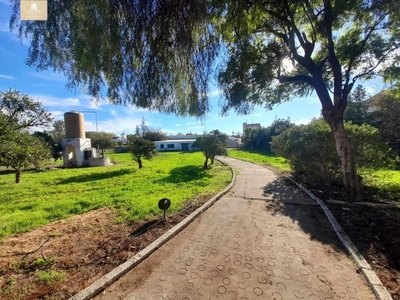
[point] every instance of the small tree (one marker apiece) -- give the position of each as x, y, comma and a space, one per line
211, 146
22, 151
104, 140
140, 148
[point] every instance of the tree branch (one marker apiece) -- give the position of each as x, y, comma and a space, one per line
333, 60
364, 42
297, 78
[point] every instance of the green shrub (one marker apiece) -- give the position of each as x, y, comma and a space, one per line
311, 151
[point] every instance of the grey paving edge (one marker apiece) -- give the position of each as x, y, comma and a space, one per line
374, 282
108, 279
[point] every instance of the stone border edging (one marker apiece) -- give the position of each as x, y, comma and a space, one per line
374, 282
108, 279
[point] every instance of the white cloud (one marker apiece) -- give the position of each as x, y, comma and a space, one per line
178, 125
113, 112
115, 125
6, 76
197, 127
257, 115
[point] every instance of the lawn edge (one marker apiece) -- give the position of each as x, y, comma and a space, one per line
374, 282
108, 279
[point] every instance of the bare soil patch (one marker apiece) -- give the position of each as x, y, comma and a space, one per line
58, 260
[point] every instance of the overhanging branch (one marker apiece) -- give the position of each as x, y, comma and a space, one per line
296, 78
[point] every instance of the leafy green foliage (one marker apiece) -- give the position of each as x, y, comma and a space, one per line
18, 149
211, 145
385, 112
140, 148
153, 55
103, 140
259, 139
58, 131
311, 152
23, 151
59, 193
381, 111
19, 112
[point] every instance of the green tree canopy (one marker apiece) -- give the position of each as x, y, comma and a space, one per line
20, 112
103, 140
19, 149
23, 151
211, 145
260, 139
140, 149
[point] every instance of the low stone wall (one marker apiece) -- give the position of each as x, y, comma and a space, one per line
99, 161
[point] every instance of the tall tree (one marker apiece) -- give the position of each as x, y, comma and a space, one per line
385, 115
281, 48
357, 107
160, 54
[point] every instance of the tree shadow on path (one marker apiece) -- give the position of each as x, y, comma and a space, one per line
294, 203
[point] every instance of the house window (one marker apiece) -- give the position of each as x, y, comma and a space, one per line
170, 146
161, 146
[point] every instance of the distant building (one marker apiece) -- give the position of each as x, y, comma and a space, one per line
251, 126
185, 143
122, 138
175, 144
233, 142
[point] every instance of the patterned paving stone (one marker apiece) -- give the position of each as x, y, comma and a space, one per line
263, 240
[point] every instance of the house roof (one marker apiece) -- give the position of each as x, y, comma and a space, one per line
175, 141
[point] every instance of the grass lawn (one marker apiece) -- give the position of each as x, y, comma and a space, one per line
384, 183
49, 195
260, 158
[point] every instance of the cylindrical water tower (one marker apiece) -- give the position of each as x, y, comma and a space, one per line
74, 125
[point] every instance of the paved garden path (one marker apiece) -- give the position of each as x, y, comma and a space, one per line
262, 240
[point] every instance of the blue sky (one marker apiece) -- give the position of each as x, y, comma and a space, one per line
49, 88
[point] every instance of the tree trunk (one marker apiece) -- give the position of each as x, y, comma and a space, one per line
18, 176
206, 163
140, 163
212, 160
345, 152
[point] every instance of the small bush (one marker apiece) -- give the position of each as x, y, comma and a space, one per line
311, 151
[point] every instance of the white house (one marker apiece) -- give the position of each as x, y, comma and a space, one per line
177, 145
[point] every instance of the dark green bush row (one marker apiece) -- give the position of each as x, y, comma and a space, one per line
311, 151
